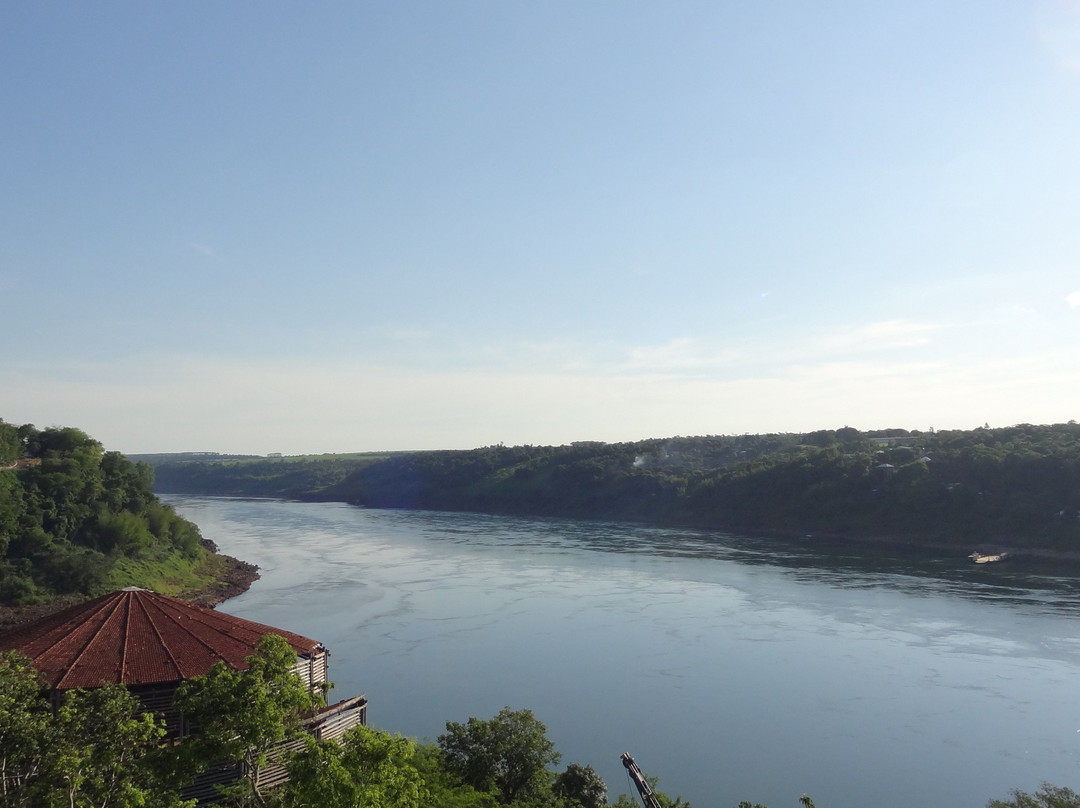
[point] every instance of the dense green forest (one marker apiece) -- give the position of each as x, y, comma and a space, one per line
77, 520
215, 474
1013, 487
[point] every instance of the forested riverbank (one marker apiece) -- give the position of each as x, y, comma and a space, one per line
1014, 488
78, 521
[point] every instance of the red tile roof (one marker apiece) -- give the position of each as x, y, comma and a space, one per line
137, 637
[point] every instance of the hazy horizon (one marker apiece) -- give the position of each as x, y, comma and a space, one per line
306, 229
286, 455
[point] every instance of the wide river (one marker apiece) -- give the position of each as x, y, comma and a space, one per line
732, 667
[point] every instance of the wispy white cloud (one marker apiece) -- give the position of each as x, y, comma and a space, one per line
683, 354
404, 334
205, 249
691, 357
1073, 299
1058, 27
878, 336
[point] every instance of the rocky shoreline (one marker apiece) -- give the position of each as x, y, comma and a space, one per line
236, 578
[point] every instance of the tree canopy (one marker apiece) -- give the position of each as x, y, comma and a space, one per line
508, 754
242, 715
1046, 796
96, 749
1018, 485
78, 520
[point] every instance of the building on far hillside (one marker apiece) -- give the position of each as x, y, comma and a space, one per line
151, 643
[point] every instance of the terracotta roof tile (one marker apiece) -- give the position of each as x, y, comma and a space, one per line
136, 637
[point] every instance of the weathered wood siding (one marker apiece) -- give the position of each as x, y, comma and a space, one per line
158, 699
312, 668
330, 724
204, 789
336, 720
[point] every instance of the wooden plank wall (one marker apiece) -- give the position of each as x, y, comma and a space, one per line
330, 724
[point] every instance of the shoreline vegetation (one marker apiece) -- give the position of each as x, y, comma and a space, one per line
77, 521
232, 577
1013, 489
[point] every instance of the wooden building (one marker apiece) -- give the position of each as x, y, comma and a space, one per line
151, 643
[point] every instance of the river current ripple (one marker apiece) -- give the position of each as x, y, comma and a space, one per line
732, 667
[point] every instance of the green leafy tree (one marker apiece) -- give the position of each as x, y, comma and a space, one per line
127, 486
804, 801
367, 769
125, 532
626, 801
24, 726
11, 446
242, 715
11, 509
508, 754
1047, 796
28, 434
446, 789
104, 753
96, 750
72, 517
581, 786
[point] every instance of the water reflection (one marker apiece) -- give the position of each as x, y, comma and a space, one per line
1049, 585
736, 667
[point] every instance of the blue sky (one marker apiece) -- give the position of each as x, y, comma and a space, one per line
349, 226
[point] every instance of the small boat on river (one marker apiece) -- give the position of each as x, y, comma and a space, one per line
980, 558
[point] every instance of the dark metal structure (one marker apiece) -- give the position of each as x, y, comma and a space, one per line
648, 798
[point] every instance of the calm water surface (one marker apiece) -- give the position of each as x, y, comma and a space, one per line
734, 668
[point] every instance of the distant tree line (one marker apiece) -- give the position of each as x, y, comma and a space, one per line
77, 520
1017, 486
232, 475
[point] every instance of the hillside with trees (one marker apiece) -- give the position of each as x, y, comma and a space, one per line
78, 521
1015, 487
252, 476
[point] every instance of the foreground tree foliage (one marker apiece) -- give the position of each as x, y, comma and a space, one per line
24, 726
95, 750
508, 755
581, 785
804, 801
626, 801
242, 715
1047, 796
367, 768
